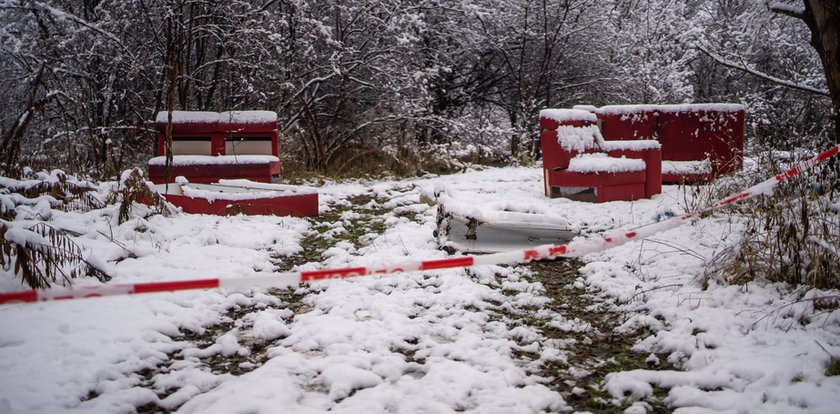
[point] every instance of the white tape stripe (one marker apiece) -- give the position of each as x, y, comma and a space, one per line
271, 280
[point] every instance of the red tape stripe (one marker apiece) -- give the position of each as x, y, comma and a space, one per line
20, 296
178, 285
447, 263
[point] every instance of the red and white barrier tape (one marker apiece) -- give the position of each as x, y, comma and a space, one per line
292, 279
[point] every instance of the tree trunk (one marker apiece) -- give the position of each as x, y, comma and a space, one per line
823, 19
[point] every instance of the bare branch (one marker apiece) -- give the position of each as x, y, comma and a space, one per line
743, 68
787, 10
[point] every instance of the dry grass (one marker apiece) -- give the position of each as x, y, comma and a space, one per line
134, 188
43, 255
39, 253
792, 236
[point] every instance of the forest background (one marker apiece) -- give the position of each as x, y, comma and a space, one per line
393, 86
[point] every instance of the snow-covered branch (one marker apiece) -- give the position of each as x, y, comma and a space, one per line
825, 245
787, 9
746, 69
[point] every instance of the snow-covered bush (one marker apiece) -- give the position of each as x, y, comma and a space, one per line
32, 249
43, 255
133, 188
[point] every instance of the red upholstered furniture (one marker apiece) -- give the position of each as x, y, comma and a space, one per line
699, 141
209, 146
229, 160
579, 164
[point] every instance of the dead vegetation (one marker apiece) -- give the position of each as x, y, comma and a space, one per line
133, 188
791, 236
42, 255
62, 193
594, 352
39, 253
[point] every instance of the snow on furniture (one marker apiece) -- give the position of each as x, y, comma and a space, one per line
208, 146
579, 164
186, 160
498, 225
688, 172
598, 163
688, 133
209, 169
553, 118
241, 197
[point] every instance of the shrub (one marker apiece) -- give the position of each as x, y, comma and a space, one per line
39, 253
791, 236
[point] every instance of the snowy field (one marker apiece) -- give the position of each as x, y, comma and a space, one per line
434, 342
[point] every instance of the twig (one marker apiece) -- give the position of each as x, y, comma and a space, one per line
118, 243
824, 244
823, 348
653, 289
679, 248
787, 10
779, 308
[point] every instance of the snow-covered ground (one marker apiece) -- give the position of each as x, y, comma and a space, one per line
433, 342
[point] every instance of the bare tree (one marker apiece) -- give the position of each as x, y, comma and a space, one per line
823, 20
387, 78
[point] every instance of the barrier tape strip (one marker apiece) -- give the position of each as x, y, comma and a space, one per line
293, 279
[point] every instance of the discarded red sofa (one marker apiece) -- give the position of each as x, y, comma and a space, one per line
226, 163
699, 141
228, 197
209, 146
579, 164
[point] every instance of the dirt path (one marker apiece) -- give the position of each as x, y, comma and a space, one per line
592, 352
577, 323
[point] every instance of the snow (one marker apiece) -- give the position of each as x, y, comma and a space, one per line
578, 139
711, 107
185, 160
232, 117
780, 372
295, 189
417, 342
499, 211
582, 138
248, 117
602, 163
825, 245
233, 190
187, 117
562, 115
631, 145
686, 167
212, 193
627, 109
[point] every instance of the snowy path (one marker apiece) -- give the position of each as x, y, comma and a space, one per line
480, 340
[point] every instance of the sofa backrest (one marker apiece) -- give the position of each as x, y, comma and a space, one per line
697, 132
689, 132
213, 133
628, 122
